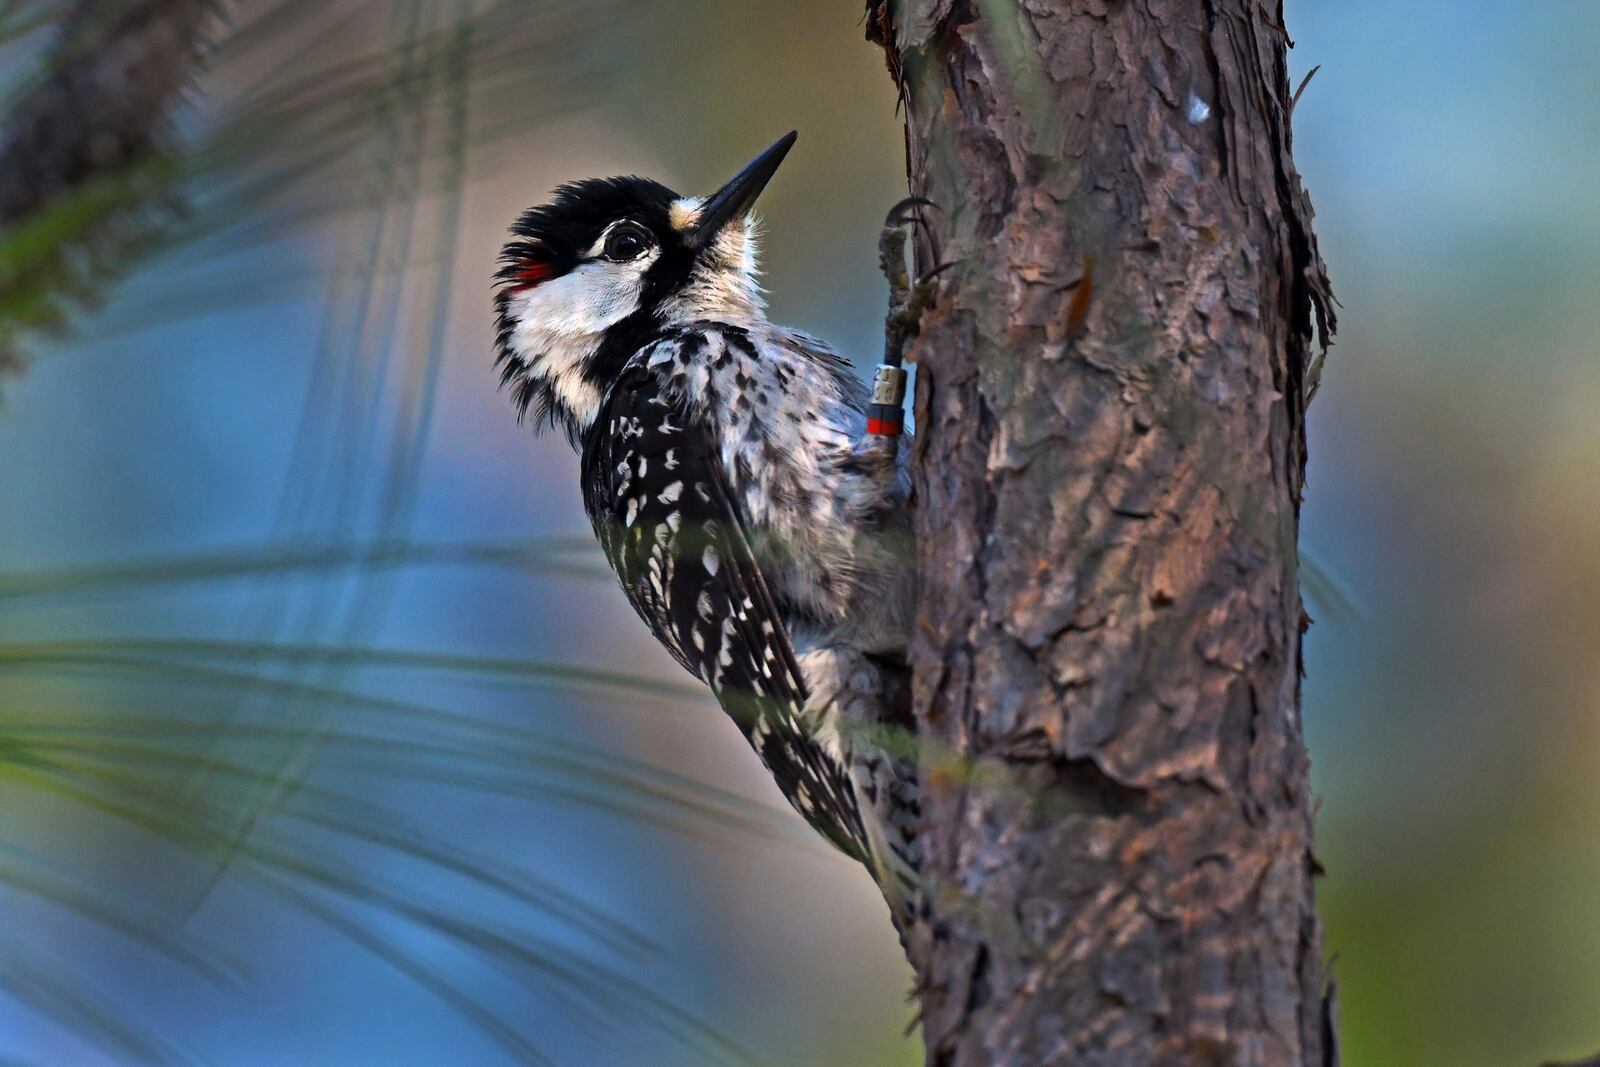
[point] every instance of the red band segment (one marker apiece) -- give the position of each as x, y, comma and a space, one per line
885, 427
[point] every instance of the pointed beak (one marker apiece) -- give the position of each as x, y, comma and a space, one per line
735, 199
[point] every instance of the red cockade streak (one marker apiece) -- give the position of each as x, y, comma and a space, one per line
531, 273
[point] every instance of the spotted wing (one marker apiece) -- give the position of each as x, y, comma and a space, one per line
660, 505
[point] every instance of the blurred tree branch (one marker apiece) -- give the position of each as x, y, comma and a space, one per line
118, 70
80, 145
1111, 410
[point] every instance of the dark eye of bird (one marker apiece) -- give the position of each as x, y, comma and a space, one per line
628, 241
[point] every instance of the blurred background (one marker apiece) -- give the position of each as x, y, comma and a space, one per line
325, 740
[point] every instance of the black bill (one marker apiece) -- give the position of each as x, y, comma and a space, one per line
735, 199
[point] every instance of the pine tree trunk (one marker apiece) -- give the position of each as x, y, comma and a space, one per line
1110, 449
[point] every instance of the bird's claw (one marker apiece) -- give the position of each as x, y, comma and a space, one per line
908, 297
904, 291
908, 313
904, 211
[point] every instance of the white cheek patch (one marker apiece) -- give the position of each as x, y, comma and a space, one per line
561, 323
589, 299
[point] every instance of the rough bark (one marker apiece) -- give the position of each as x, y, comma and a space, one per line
1111, 403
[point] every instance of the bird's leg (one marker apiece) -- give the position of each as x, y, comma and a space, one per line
892, 248
875, 458
908, 298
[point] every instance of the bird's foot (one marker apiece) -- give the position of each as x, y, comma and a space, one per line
909, 296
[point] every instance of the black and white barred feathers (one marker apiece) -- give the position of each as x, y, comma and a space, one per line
693, 515
664, 511
754, 526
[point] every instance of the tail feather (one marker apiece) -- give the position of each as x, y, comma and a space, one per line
853, 700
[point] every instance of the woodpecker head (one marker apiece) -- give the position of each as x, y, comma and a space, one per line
591, 276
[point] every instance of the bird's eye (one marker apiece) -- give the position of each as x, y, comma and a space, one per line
628, 241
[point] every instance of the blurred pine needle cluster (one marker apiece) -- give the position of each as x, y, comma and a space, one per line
175, 132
